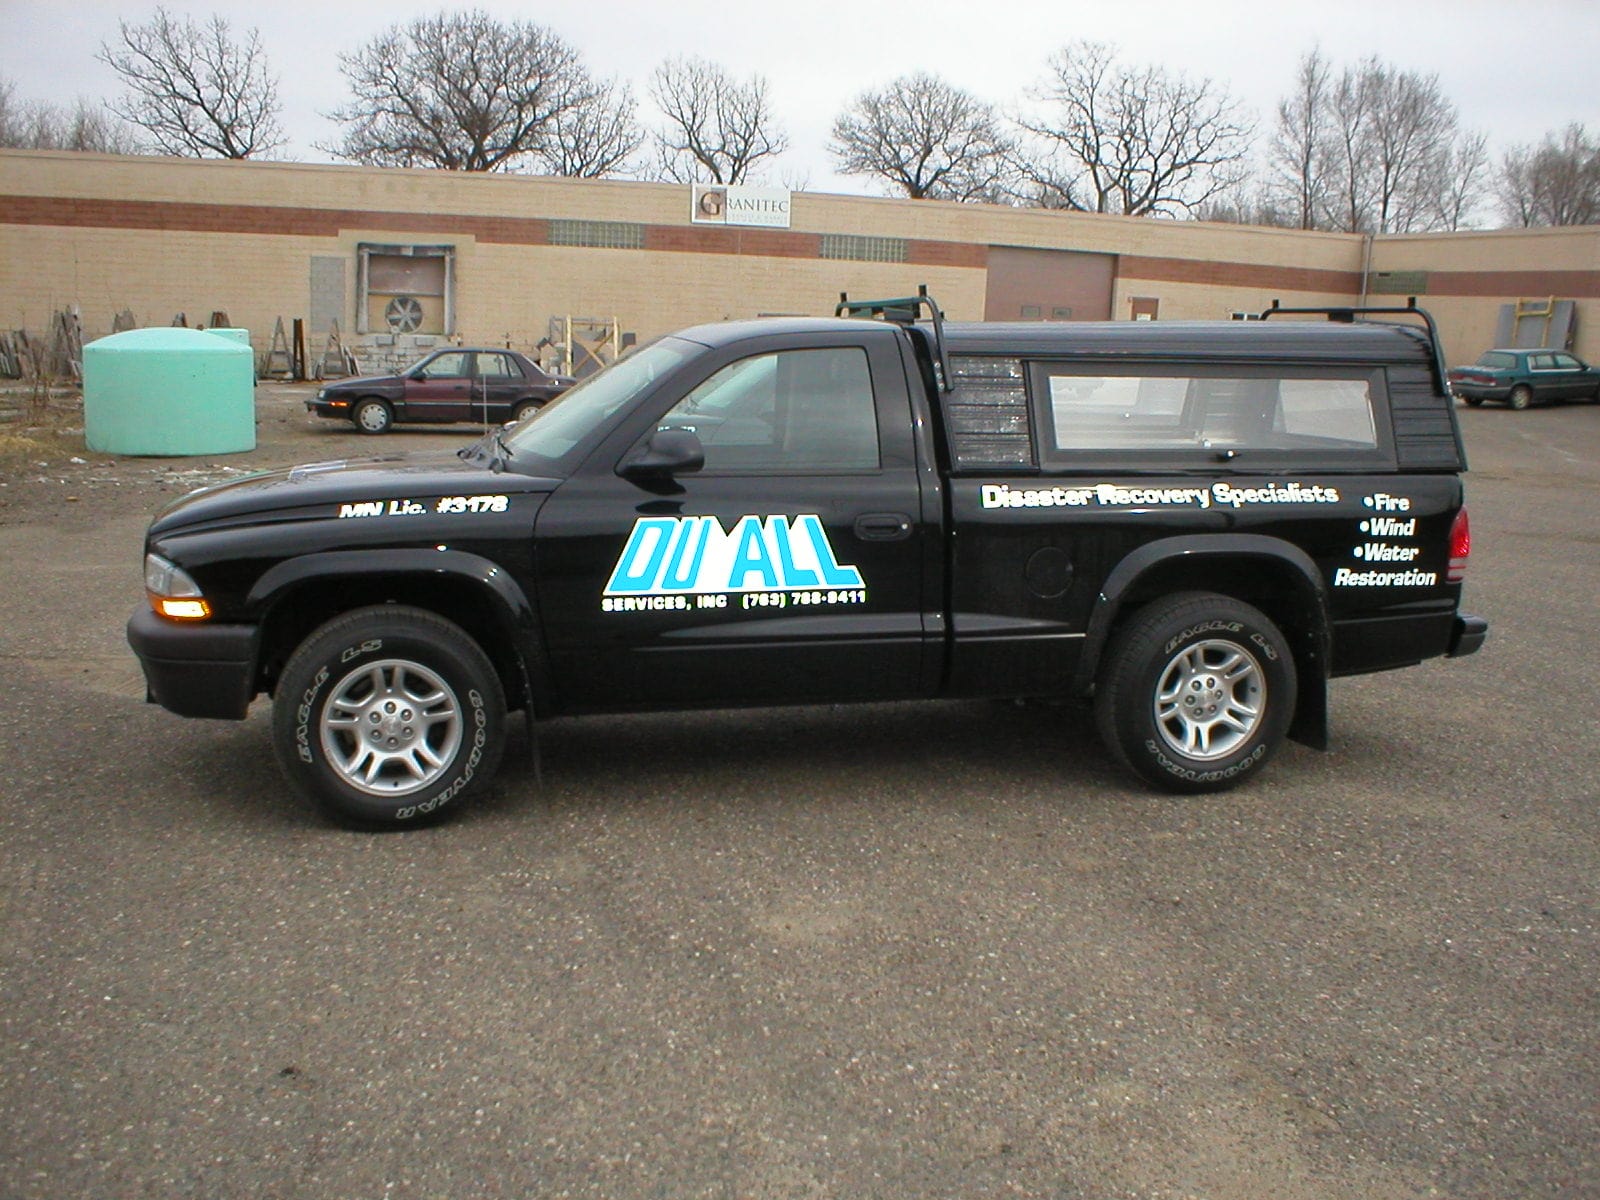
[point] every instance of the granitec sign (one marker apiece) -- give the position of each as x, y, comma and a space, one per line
737, 204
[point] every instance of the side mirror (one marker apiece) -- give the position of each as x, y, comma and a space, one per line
669, 452
420, 376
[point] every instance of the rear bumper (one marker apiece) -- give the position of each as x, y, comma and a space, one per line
1480, 391
1467, 636
195, 670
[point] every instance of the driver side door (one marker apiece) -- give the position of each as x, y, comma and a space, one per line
439, 388
788, 569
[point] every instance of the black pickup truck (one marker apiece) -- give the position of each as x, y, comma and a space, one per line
1192, 526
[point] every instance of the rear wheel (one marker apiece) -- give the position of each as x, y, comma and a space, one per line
526, 409
372, 416
1473, 401
1195, 692
387, 717
1521, 396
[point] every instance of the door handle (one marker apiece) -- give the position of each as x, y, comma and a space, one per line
883, 527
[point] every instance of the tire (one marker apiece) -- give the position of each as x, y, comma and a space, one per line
369, 671
1196, 692
1521, 397
1473, 401
526, 409
372, 416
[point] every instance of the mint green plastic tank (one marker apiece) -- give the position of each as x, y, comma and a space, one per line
170, 391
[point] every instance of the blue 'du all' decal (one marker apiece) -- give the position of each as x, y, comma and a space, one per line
685, 555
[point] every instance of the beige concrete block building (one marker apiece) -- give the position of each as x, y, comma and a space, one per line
406, 259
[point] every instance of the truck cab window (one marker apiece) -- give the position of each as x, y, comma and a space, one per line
794, 410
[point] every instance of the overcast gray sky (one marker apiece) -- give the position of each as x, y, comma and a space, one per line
1514, 70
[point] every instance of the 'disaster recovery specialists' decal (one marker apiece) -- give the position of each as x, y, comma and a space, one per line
766, 562
1134, 495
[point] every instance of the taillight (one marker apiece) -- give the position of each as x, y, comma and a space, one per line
1460, 548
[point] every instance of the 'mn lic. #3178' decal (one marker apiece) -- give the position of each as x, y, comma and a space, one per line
768, 561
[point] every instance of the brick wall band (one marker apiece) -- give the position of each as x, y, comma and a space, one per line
271, 241
282, 220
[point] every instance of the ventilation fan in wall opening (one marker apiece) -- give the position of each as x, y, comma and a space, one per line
404, 314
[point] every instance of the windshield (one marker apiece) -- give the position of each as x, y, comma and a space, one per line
565, 428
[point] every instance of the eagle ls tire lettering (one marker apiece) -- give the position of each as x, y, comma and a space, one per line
397, 716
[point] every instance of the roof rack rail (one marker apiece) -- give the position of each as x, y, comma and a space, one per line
1346, 314
903, 311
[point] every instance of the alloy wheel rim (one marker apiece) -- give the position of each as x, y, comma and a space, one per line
391, 728
1209, 699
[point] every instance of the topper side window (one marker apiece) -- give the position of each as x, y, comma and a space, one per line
1108, 413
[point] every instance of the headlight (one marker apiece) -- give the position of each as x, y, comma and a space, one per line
172, 593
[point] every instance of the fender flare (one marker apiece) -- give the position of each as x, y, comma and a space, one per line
511, 606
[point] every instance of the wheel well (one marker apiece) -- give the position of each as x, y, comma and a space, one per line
304, 608
1274, 588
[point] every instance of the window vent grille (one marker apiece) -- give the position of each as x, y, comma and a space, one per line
602, 235
864, 249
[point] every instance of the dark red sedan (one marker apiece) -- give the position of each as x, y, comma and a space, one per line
481, 385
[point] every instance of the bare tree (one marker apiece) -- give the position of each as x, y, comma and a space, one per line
1299, 159
717, 129
40, 126
1350, 201
85, 126
1139, 141
10, 114
466, 92
1249, 204
1462, 188
1409, 141
595, 138
194, 90
1374, 149
1554, 183
927, 138
1397, 145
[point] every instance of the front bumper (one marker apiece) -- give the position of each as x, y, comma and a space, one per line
198, 670
1467, 636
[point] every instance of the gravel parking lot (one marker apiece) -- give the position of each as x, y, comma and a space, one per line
926, 950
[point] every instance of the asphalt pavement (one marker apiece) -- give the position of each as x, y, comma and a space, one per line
922, 950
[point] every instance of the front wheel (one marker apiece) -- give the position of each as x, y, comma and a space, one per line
1196, 692
372, 416
386, 717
